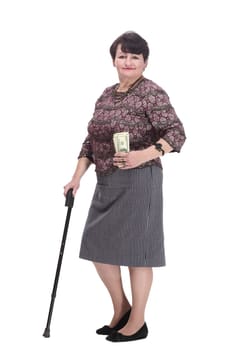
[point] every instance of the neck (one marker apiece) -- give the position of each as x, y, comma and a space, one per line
125, 84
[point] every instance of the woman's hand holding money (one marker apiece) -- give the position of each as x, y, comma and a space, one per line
132, 159
129, 160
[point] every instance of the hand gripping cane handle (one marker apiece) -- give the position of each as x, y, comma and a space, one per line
69, 198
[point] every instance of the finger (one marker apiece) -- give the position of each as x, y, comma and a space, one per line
125, 168
75, 189
120, 154
65, 190
119, 162
120, 159
124, 165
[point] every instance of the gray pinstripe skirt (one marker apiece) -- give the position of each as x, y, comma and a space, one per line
124, 225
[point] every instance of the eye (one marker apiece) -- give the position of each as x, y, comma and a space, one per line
135, 57
121, 56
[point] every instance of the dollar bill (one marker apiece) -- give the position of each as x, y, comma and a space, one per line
121, 141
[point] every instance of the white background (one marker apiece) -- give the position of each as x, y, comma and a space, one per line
54, 63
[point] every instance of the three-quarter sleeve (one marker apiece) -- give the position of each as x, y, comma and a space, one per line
164, 119
86, 150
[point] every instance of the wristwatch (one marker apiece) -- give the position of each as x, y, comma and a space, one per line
159, 147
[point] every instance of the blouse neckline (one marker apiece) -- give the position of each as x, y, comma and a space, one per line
124, 93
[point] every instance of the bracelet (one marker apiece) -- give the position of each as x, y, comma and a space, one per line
159, 147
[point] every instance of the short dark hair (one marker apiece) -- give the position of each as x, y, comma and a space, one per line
130, 42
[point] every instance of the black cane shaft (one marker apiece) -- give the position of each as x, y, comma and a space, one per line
62, 248
69, 203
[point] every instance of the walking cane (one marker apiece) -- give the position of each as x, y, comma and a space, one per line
68, 203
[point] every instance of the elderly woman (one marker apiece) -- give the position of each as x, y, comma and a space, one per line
124, 226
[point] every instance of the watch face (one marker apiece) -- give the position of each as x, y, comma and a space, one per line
159, 148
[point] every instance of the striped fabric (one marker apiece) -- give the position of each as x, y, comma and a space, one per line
124, 225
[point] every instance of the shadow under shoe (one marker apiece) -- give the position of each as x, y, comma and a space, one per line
118, 337
106, 330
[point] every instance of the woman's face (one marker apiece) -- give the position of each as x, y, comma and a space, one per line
129, 65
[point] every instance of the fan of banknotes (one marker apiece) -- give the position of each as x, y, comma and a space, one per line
121, 141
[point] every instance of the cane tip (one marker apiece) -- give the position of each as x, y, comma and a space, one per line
46, 333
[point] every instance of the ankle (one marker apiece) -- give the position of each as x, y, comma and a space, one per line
122, 309
119, 315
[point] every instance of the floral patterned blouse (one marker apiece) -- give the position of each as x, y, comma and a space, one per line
144, 111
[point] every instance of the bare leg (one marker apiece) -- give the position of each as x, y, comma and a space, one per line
141, 280
111, 277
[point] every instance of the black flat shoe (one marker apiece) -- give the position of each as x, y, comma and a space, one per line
118, 337
106, 330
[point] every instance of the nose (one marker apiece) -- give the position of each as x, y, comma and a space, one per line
128, 61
